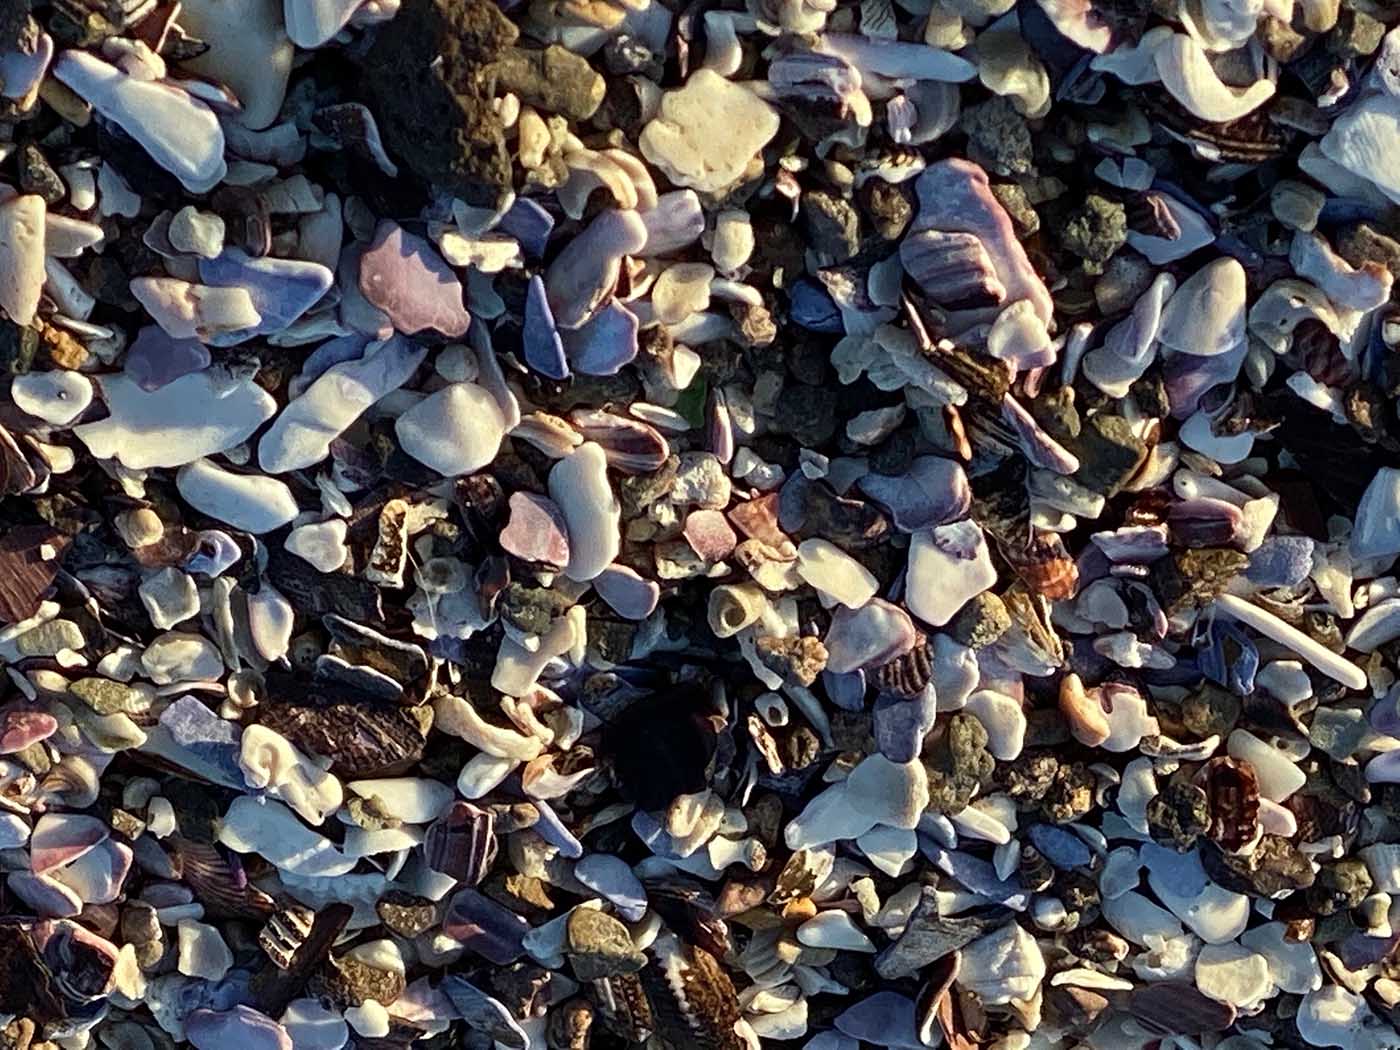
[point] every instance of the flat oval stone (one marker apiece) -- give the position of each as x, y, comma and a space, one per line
934, 491
180, 132
612, 878
579, 486
301, 436
626, 592
251, 502
947, 566
241, 1027
57, 397
248, 51
196, 415
22, 256
454, 431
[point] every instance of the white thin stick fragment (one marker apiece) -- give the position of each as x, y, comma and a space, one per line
1266, 623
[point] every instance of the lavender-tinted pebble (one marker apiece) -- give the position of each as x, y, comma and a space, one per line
528, 222
485, 927
676, 221
403, 275
550, 828
196, 728
536, 531
1281, 561
610, 877
242, 1027
901, 725
605, 343
544, 350
885, 1019
21, 728
282, 289
627, 593
977, 875
155, 358
933, 491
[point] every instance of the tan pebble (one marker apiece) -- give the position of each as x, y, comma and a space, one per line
1087, 721
140, 527
799, 910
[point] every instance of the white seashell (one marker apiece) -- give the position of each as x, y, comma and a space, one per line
1139, 920
413, 800
1364, 141
21, 257
271, 762
251, 502
835, 574
180, 133
302, 434
579, 485
458, 717
705, 133
270, 621
976, 823
517, 668
197, 415
483, 773
1206, 314
732, 607
313, 1026
1333, 1016
948, 565
57, 397
1279, 776
1213, 913
202, 951
1003, 966
681, 290
1355, 289
320, 543
1003, 719
891, 850
454, 431
181, 657
834, 929
733, 240
270, 830
892, 793
1187, 74
1376, 533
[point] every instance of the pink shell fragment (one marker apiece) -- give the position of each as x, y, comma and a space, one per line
627, 593
709, 534
404, 276
19, 728
61, 838
536, 531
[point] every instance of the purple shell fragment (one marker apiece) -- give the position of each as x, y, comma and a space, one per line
403, 275
544, 350
529, 224
675, 222
605, 343
536, 531
155, 358
282, 289
934, 491
485, 927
